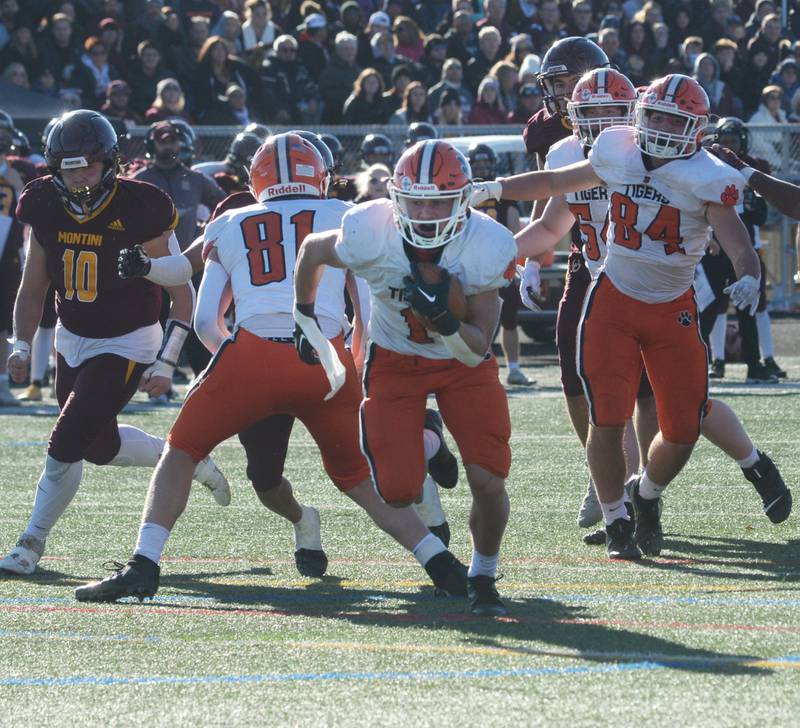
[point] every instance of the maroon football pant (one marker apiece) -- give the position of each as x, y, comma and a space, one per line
90, 397
266, 444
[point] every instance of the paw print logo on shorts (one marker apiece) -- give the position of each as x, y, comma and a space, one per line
685, 318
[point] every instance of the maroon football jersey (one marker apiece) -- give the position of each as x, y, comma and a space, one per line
233, 202
91, 299
543, 130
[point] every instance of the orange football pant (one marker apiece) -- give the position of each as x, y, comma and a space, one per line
616, 333
250, 378
472, 403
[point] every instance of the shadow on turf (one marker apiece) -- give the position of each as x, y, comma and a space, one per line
572, 631
725, 557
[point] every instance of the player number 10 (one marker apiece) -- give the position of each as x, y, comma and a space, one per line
80, 275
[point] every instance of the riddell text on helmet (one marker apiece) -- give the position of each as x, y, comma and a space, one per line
289, 189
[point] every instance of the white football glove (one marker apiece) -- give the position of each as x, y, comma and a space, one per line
745, 293
530, 287
482, 191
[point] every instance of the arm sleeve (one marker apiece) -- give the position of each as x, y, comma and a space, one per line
206, 315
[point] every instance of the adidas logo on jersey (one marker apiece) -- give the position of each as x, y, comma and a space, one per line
116, 225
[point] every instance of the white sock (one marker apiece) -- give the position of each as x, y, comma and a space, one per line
430, 443
429, 509
137, 448
513, 365
57, 486
307, 531
764, 326
41, 346
716, 338
648, 489
614, 511
426, 549
482, 565
750, 460
151, 541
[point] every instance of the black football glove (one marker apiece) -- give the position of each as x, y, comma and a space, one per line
305, 351
430, 299
133, 262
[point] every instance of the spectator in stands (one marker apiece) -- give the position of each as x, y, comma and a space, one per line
110, 34
682, 24
662, 49
229, 28
16, 75
366, 104
638, 40
145, 26
371, 183
258, 30
338, 77
520, 14
351, 17
649, 14
794, 116
735, 30
170, 102
581, 21
94, 74
384, 58
199, 8
408, 38
507, 82
379, 22
769, 39
730, 69
768, 145
144, 76
401, 77
494, 16
755, 77
290, 89
181, 56
529, 68
786, 77
691, 47
608, 40
311, 44
435, 56
58, 49
487, 108
462, 38
716, 24
488, 49
548, 27
452, 78
217, 69
753, 24
529, 101
117, 104
720, 96
414, 106
520, 46
21, 49
231, 109
449, 113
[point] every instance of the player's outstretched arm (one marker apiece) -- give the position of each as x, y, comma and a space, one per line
169, 270
733, 238
542, 235
28, 308
538, 185
213, 299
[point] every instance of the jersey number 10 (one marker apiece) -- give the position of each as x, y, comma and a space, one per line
80, 275
263, 238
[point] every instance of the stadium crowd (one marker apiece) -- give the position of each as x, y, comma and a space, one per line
232, 62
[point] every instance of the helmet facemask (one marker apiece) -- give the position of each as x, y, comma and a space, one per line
617, 112
433, 233
84, 200
674, 144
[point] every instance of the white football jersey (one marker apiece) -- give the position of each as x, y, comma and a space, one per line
657, 228
372, 248
590, 207
258, 244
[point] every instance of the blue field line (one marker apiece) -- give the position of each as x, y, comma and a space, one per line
331, 676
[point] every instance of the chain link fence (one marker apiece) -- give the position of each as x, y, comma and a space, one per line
777, 144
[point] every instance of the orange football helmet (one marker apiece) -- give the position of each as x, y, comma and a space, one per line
432, 169
287, 165
676, 96
601, 87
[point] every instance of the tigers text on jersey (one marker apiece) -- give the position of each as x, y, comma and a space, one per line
590, 207
372, 248
657, 228
258, 245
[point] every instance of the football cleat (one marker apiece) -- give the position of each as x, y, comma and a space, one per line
138, 578
717, 369
311, 562
772, 368
598, 537
24, 557
443, 466
759, 374
648, 535
590, 511
208, 474
620, 541
442, 532
32, 393
483, 597
767, 480
516, 377
448, 574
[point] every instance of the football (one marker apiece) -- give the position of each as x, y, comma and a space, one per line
456, 300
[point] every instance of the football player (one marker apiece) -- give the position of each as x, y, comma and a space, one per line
108, 338
388, 243
289, 180
601, 99
664, 193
